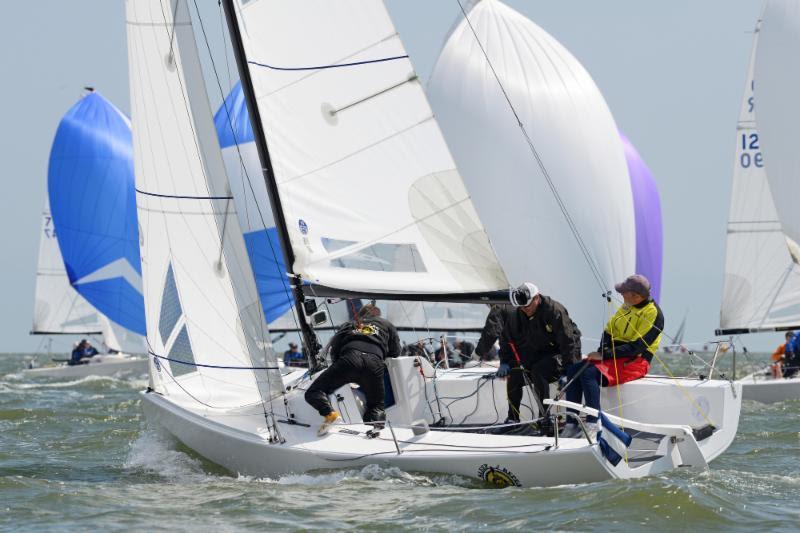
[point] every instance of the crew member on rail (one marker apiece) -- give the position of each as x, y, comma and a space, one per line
791, 361
537, 342
82, 353
358, 350
778, 356
630, 339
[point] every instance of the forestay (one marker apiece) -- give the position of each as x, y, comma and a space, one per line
778, 110
58, 309
552, 93
762, 283
370, 194
92, 198
202, 307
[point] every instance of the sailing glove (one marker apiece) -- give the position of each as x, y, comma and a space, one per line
503, 370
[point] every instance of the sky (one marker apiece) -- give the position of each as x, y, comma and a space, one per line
673, 73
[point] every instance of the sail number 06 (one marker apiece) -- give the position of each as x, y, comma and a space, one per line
748, 158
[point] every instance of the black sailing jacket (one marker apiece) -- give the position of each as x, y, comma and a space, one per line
373, 335
549, 332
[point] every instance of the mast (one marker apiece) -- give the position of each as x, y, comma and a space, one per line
309, 337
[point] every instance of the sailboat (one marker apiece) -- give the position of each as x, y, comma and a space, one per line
762, 279
594, 165
88, 280
355, 166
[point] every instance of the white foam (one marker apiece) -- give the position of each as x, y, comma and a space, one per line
154, 451
373, 472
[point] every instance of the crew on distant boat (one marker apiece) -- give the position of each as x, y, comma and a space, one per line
630, 339
358, 350
791, 362
778, 356
82, 353
497, 316
537, 342
293, 356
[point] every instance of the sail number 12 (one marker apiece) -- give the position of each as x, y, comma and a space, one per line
751, 154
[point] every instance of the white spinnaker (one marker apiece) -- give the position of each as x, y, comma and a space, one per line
778, 109
58, 308
200, 299
575, 135
371, 196
762, 283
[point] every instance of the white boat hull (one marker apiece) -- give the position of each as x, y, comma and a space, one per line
241, 440
764, 389
99, 365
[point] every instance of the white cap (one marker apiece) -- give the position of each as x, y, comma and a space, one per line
523, 295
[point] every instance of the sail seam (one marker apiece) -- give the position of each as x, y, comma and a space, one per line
323, 67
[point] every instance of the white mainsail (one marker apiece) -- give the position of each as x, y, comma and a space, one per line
202, 309
575, 135
58, 308
350, 133
762, 281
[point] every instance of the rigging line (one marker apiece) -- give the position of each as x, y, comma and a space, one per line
218, 367
286, 286
595, 269
184, 197
323, 67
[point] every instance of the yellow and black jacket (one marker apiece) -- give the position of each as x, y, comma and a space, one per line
633, 331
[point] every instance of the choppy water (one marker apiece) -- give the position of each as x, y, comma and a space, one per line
76, 454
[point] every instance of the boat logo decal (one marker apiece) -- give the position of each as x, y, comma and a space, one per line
365, 329
498, 476
701, 408
303, 226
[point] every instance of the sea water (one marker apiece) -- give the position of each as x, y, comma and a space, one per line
78, 454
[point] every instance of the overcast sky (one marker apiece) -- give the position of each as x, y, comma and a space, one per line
672, 72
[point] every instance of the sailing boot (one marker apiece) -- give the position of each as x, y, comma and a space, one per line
332, 417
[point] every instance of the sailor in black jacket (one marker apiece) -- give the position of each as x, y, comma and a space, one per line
537, 342
358, 350
492, 329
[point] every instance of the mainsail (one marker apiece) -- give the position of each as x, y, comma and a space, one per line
761, 289
92, 199
370, 196
551, 94
58, 309
206, 330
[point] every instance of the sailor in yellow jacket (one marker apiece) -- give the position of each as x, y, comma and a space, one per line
629, 342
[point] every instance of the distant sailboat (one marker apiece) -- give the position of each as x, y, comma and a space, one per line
88, 280
762, 277
333, 95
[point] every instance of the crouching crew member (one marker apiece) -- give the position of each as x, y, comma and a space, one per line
537, 342
358, 350
630, 339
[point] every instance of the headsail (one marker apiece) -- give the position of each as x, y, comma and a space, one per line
58, 309
202, 306
371, 198
92, 198
551, 93
762, 282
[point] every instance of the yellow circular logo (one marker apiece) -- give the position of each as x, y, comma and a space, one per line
498, 476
